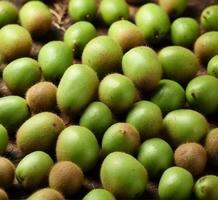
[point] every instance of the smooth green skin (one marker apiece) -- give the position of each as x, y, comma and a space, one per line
78, 35
175, 183
209, 18
212, 67
142, 66
117, 92
113, 10
46, 193
33, 170
99, 194
54, 58
153, 21
97, 50
39, 133
16, 42
206, 188
79, 145
183, 71
123, 175
126, 34
13, 111
146, 117
174, 8
97, 117
168, 95
121, 137
8, 13
184, 31
206, 46
202, 94
21, 74
36, 18
156, 156
82, 10
3, 139
76, 88
184, 125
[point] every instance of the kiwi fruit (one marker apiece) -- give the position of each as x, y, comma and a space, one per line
192, 157
3, 195
41, 97
46, 194
211, 146
3, 139
66, 177
7, 172
99, 194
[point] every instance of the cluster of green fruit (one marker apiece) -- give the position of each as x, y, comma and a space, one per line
132, 110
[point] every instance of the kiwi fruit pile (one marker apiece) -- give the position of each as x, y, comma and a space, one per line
108, 99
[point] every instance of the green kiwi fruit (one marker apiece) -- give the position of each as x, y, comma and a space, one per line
3, 139
66, 177
3, 195
192, 157
7, 173
99, 194
41, 97
46, 194
212, 66
39, 132
211, 146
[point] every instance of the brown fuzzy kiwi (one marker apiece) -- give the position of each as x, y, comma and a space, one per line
41, 97
3, 195
66, 177
46, 194
7, 172
191, 156
212, 147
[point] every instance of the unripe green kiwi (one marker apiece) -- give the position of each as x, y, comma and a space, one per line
41, 97
66, 177
99, 194
7, 172
40, 132
3, 139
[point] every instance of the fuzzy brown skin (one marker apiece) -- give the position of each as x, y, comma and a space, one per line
3, 195
46, 194
41, 97
191, 156
212, 147
66, 177
7, 172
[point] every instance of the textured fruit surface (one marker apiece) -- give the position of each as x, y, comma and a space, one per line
79, 145
3, 139
3, 195
77, 88
212, 67
123, 176
99, 194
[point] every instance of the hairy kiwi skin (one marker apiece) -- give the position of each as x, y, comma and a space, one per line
3, 195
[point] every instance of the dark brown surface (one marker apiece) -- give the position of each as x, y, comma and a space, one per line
60, 22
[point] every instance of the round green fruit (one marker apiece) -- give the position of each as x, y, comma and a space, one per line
117, 92
212, 67
175, 183
39, 132
21, 74
79, 145
103, 54
201, 96
123, 176
3, 139
54, 58
206, 188
113, 10
184, 31
8, 13
142, 66
142, 116
73, 99
16, 42
156, 156
82, 10
99, 194
78, 35
183, 71
184, 125
32, 171
153, 21
36, 18
97, 117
